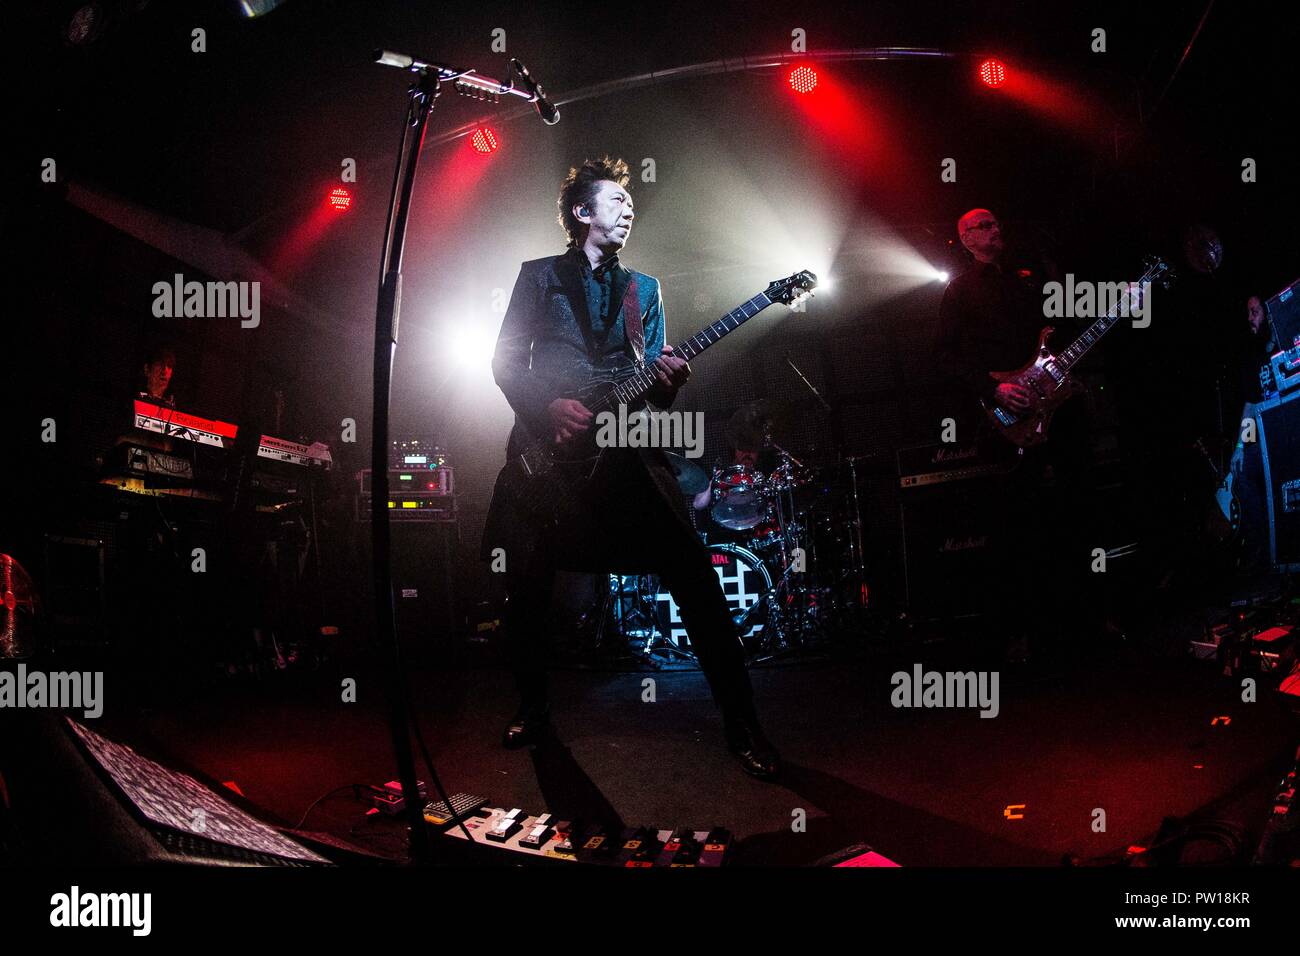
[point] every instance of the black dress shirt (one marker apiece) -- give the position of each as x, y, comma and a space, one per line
989, 321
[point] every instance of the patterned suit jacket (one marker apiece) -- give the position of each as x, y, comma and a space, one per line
547, 349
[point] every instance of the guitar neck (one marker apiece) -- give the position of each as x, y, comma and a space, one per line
636, 387
1093, 333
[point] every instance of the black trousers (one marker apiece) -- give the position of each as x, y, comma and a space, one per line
1047, 585
631, 528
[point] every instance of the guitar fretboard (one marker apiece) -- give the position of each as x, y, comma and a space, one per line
1093, 333
639, 384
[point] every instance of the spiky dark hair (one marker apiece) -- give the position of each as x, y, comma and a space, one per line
579, 189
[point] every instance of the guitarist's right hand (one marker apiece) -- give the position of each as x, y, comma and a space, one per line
569, 419
1015, 397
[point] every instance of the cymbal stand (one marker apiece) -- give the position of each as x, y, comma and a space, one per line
859, 570
787, 599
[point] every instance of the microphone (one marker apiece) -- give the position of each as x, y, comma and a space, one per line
549, 114
399, 60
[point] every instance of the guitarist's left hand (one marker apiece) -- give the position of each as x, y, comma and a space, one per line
671, 371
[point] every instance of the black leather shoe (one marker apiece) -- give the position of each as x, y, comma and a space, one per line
753, 750
527, 728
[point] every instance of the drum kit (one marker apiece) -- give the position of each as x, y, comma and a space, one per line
786, 545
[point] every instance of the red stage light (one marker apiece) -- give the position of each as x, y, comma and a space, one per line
992, 72
803, 79
484, 140
340, 200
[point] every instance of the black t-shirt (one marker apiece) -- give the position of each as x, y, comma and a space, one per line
1254, 351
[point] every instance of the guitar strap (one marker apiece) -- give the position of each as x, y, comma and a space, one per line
632, 326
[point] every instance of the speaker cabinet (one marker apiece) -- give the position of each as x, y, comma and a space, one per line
1279, 437
953, 536
424, 557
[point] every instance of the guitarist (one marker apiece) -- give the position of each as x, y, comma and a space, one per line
572, 316
989, 321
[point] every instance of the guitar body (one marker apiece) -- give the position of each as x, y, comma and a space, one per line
550, 498
1047, 376
551, 483
1223, 518
1050, 386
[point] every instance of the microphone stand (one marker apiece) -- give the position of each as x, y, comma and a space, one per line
424, 90
816, 394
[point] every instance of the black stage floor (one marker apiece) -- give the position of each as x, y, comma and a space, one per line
1125, 730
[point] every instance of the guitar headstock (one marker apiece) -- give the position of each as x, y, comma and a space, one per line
1158, 272
793, 288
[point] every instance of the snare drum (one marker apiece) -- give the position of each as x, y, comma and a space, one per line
744, 580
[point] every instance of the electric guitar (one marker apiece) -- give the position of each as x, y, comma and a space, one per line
1223, 520
549, 479
1047, 376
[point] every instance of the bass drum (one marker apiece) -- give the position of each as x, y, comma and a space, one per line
744, 579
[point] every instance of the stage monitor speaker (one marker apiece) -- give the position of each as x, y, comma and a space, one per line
1279, 440
74, 797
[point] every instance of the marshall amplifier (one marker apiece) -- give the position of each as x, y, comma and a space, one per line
1279, 442
955, 461
952, 501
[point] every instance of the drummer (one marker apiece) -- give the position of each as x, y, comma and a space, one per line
747, 444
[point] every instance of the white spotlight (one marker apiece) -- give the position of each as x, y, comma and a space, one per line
472, 346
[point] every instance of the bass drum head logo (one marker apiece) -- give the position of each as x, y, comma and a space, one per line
744, 581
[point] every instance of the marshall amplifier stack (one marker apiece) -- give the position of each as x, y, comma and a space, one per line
951, 508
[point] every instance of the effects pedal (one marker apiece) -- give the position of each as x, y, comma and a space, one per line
440, 814
505, 827
388, 799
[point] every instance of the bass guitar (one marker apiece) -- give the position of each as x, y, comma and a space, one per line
1047, 376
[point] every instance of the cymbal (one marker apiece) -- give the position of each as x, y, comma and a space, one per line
691, 478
